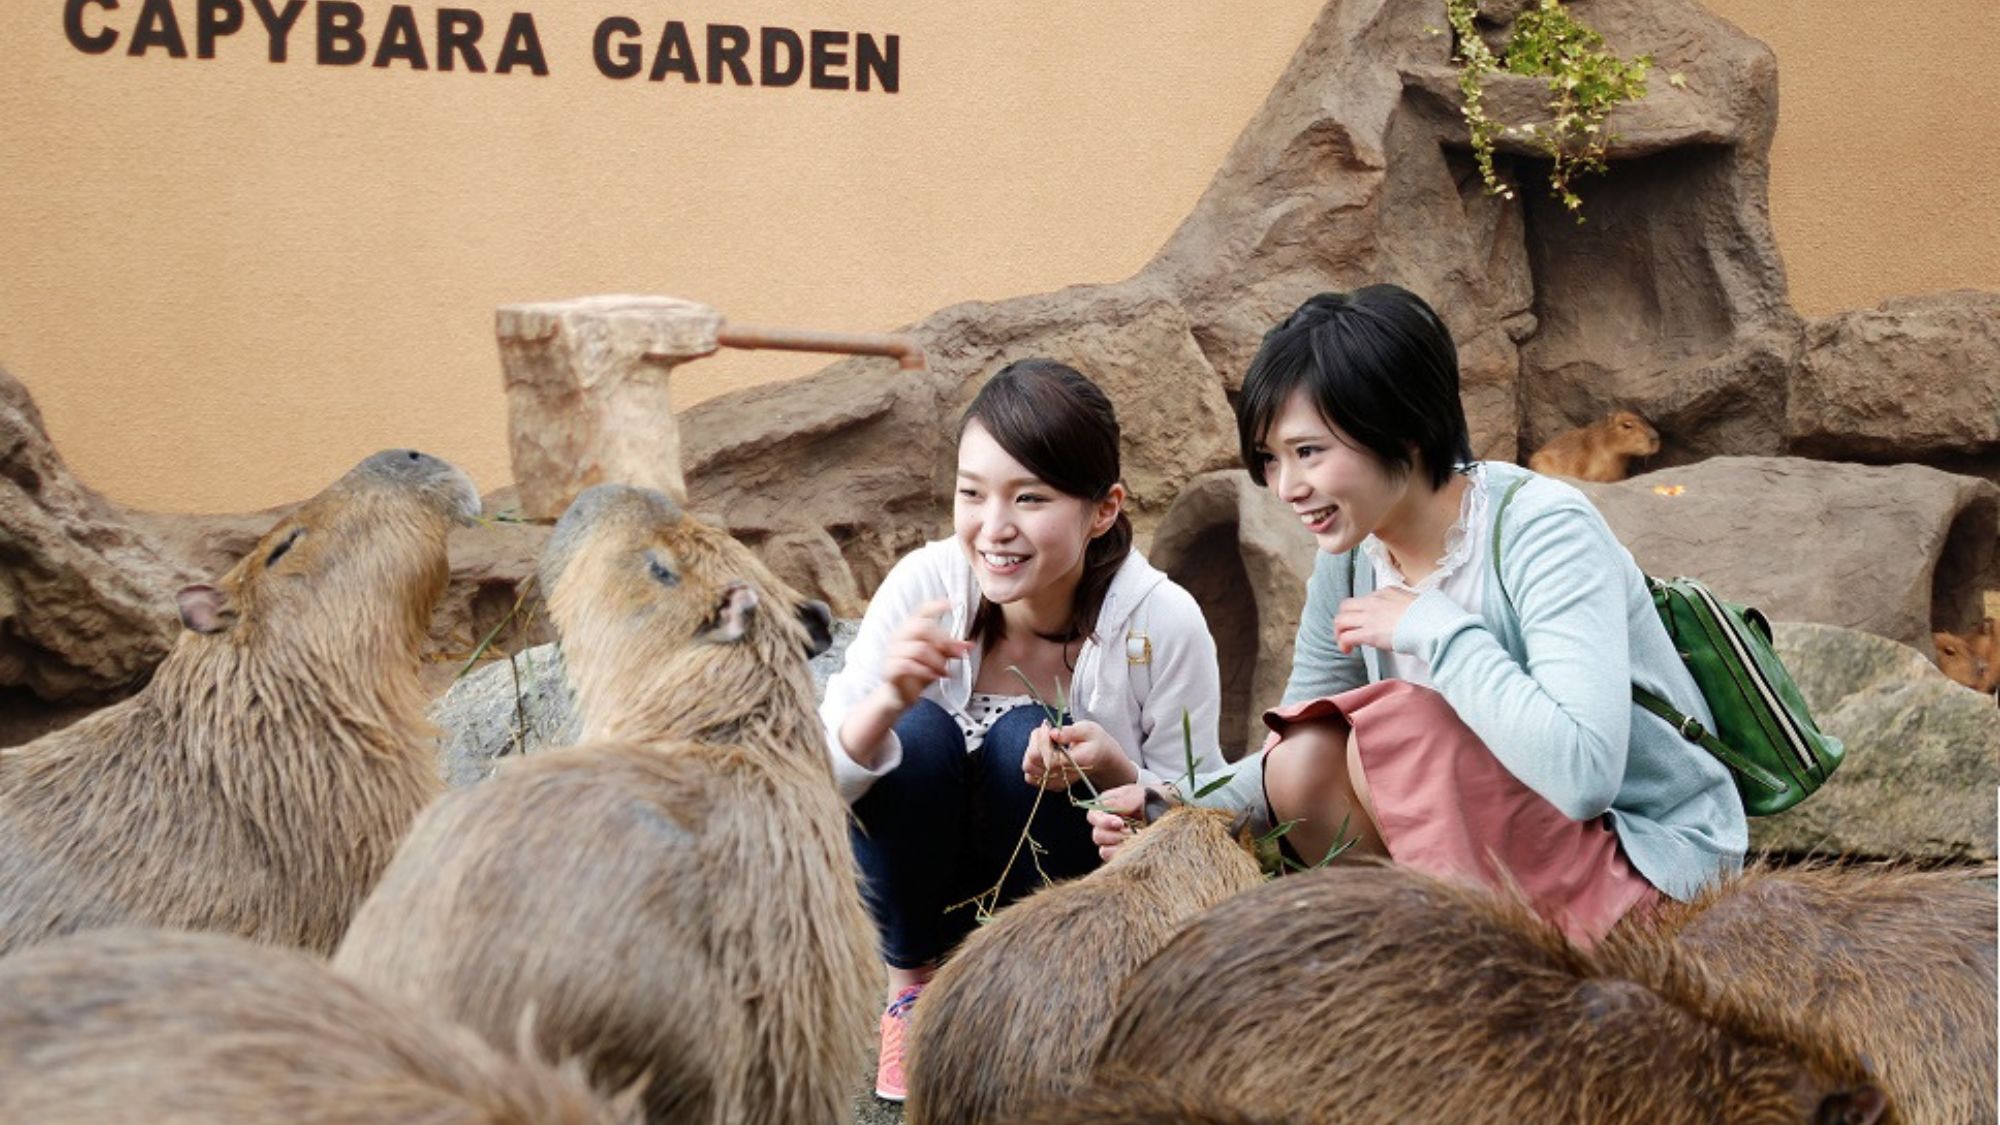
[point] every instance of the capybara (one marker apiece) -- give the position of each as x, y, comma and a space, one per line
259, 784
139, 1027
675, 898
1893, 964
1119, 1098
1986, 647
1960, 660
1016, 1012
1381, 994
1599, 451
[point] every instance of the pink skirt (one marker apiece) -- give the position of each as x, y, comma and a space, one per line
1447, 807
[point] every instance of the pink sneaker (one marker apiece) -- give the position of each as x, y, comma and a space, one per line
890, 1085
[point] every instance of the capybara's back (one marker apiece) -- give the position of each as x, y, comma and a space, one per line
261, 780
1138, 1099
1380, 994
1600, 451
1016, 1013
675, 899
124, 1027
1896, 965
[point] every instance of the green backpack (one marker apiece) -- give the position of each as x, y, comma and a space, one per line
1763, 733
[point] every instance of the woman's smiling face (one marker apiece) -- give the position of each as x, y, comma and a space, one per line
1337, 488
1025, 540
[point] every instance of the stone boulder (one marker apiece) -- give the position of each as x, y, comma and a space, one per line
1245, 557
86, 598
1923, 754
1884, 549
1913, 379
523, 705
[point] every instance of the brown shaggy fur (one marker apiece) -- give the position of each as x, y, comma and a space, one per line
1599, 451
1971, 660
1896, 966
676, 897
1379, 994
1128, 1099
1017, 1011
260, 782
139, 1026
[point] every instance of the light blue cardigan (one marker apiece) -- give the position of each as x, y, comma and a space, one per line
1544, 676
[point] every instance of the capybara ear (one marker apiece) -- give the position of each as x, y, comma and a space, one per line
739, 606
1241, 825
818, 620
1159, 803
1864, 1106
205, 609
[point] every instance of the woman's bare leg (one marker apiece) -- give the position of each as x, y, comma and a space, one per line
1307, 778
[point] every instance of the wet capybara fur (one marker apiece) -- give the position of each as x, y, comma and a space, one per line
141, 1027
675, 898
1893, 964
1379, 994
260, 782
1600, 451
1015, 1013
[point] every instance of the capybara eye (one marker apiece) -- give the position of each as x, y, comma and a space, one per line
661, 572
278, 552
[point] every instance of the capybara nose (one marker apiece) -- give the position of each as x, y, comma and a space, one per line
818, 620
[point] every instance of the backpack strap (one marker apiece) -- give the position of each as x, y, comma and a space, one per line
1687, 726
1500, 512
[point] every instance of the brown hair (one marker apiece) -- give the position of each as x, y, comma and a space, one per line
1060, 426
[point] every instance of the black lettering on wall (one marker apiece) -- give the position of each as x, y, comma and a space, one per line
400, 40
278, 25
728, 45
522, 45
158, 28
214, 19
629, 57
769, 39
340, 41
459, 30
885, 65
675, 56
825, 58
82, 40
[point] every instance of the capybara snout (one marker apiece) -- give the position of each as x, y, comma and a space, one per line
660, 577
431, 479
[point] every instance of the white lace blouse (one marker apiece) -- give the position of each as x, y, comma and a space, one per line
1455, 577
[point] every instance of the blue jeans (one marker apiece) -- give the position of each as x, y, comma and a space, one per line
938, 829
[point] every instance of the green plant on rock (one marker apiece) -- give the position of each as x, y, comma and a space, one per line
1586, 82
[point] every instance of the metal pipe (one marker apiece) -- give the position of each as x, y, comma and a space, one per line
908, 353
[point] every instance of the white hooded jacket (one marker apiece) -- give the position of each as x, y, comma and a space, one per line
1149, 658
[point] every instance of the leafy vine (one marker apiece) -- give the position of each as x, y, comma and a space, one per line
1586, 82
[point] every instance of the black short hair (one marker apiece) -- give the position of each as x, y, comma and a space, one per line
1379, 364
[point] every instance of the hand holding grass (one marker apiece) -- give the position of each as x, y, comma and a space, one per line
1056, 754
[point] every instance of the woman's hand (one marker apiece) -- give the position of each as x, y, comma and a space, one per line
1110, 829
918, 654
1371, 620
1090, 748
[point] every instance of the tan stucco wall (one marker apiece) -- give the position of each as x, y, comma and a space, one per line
1885, 175
226, 280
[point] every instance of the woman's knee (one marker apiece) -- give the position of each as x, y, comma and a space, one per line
1308, 763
